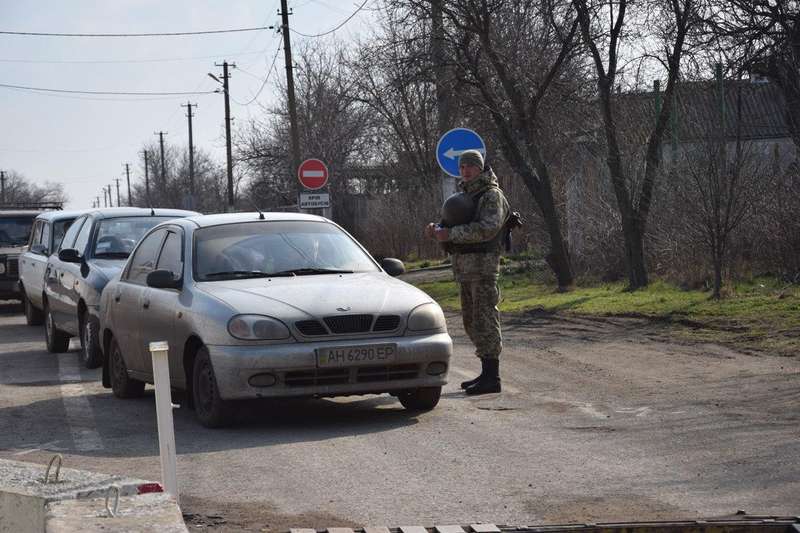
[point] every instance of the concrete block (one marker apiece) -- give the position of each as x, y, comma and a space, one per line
449, 529
413, 529
484, 528
135, 514
376, 529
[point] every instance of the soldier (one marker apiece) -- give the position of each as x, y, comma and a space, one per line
475, 245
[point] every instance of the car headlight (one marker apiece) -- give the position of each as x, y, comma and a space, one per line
257, 328
426, 317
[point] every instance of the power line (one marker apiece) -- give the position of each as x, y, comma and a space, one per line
126, 61
264, 84
163, 34
345, 21
109, 93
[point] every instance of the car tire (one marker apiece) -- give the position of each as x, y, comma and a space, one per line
122, 384
57, 340
422, 399
33, 316
91, 355
211, 410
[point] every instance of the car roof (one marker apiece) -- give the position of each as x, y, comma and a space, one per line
233, 218
115, 212
60, 215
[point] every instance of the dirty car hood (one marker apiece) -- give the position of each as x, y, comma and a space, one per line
318, 295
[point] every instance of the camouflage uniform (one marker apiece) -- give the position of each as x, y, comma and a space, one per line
477, 272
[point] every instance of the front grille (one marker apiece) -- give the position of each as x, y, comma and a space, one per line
342, 376
12, 268
386, 323
349, 323
320, 376
370, 374
310, 328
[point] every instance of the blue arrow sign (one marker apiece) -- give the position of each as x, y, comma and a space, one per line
454, 143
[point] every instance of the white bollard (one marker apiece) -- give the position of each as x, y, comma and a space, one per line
166, 429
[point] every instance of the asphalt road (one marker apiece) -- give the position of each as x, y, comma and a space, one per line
598, 421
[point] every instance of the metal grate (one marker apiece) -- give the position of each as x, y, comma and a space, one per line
320, 376
349, 323
310, 328
369, 374
386, 323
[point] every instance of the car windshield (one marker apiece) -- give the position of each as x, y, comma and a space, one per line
15, 231
287, 248
116, 237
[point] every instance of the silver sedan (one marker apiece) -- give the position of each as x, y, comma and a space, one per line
266, 306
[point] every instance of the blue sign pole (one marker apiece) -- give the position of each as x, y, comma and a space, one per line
454, 143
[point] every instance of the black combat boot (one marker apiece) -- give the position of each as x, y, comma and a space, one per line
489, 381
473, 381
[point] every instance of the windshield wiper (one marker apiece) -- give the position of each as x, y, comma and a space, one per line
310, 271
239, 274
115, 255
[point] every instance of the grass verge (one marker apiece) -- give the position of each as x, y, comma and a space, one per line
762, 314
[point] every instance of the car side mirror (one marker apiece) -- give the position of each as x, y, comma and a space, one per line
70, 255
38, 248
163, 279
393, 267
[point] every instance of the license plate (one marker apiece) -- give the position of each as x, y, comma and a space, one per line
357, 355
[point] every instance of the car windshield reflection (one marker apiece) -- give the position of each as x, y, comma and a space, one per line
276, 249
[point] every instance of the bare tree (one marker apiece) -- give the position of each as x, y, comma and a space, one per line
607, 28
763, 37
721, 190
18, 189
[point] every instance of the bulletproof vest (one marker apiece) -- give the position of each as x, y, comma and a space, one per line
462, 208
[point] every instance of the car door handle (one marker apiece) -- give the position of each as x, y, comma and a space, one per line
146, 304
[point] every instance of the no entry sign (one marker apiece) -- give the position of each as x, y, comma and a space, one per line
313, 174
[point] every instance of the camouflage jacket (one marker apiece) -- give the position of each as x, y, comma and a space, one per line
491, 215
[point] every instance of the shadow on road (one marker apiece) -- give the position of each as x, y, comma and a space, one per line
127, 428
10, 307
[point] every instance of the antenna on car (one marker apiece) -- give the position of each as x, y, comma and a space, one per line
260, 214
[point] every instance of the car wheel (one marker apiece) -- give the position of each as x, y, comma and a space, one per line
422, 399
91, 355
57, 340
210, 409
122, 384
33, 316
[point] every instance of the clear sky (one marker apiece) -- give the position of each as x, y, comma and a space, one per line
83, 141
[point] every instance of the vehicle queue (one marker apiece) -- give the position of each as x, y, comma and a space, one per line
252, 305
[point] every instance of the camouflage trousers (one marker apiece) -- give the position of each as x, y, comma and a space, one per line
481, 318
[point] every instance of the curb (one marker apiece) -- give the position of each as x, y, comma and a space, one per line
77, 500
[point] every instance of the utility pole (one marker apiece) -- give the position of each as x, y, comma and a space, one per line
97, 203
146, 178
118, 202
2, 186
105, 198
128, 179
443, 122
225, 91
163, 180
294, 134
110, 198
189, 106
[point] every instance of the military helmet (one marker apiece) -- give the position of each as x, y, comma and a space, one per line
458, 209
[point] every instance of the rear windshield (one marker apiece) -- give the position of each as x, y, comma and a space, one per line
15, 231
116, 237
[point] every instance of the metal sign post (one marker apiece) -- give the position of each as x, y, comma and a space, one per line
166, 429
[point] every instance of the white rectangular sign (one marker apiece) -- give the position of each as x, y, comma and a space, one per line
314, 200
